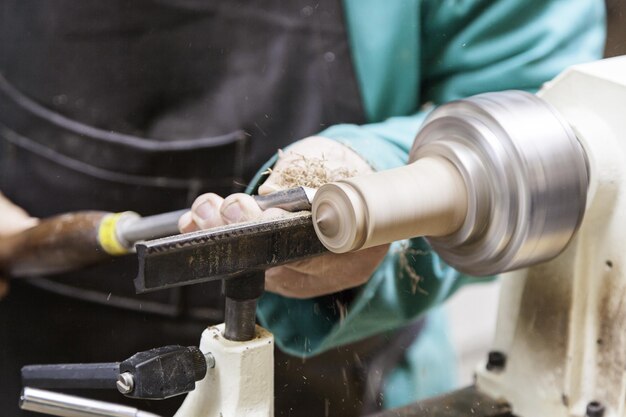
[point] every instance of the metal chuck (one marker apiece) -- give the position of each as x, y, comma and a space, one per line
496, 182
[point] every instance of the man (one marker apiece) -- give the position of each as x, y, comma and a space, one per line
140, 105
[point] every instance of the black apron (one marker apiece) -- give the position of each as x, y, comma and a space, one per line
142, 105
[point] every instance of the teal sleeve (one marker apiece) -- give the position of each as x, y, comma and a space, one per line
428, 368
468, 47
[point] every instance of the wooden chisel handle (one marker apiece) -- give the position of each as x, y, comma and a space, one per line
57, 244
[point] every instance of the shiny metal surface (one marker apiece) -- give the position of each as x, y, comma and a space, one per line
292, 199
132, 228
210, 360
526, 175
125, 382
55, 404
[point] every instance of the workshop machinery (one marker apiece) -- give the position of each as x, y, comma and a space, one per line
498, 182
73, 240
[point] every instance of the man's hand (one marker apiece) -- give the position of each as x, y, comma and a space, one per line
310, 162
13, 219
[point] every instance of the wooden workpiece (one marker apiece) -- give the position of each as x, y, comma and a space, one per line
425, 198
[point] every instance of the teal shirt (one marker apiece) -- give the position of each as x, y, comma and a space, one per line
407, 54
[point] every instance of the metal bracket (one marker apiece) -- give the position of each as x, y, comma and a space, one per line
225, 252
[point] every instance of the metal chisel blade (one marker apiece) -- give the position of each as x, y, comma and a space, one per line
225, 251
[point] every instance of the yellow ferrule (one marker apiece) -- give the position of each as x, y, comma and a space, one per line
107, 235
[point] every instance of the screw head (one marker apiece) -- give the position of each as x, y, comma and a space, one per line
210, 360
125, 383
496, 361
594, 409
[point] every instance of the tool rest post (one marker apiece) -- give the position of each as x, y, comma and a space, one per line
242, 293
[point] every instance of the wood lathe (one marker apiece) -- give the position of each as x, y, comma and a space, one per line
505, 181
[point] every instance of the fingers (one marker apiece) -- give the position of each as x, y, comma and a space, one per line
210, 210
13, 219
243, 207
271, 184
292, 284
204, 214
205, 211
186, 223
239, 208
326, 274
342, 265
11, 209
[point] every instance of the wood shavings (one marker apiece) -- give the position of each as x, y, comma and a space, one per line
406, 265
309, 172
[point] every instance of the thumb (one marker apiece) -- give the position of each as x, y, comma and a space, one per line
271, 184
13, 219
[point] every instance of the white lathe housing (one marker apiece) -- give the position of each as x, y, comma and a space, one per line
562, 324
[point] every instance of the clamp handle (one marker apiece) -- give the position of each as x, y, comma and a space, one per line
154, 374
